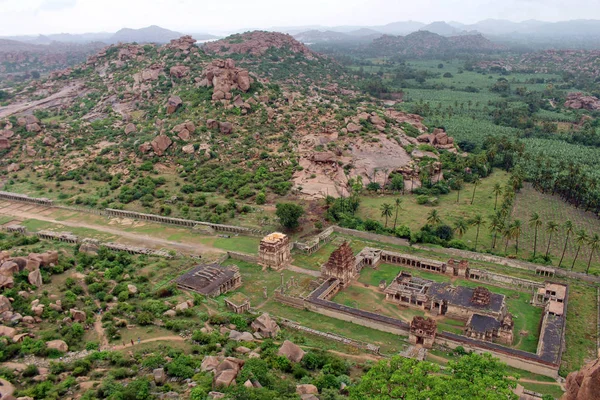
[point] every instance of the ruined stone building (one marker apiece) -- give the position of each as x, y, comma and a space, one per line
422, 331
274, 251
341, 265
238, 303
490, 329
552, 297
211, 279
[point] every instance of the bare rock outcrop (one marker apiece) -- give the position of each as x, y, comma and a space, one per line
438, 139
77, 315
584, 384
160, 144
291, 351
130, 128
226, 127
579, 101
59, 345
179, 71
35, 278
5, 304
266, 326
173, 104
4, 143
184, 130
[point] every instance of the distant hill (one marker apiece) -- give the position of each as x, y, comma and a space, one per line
151, 34
441, 28
358, 36
429, 44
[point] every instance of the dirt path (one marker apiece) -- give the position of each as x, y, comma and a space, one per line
137, 238
98, 319
358, 357
305, 271
171, 338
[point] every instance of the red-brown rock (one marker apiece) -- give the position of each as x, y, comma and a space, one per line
130, 128
179, 71
584, 384
173, 104
4, 143
160, 144
225, 127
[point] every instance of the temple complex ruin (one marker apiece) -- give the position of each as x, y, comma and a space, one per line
274, 251
438, 298
490, 329
341, 265
211, 279
422, 331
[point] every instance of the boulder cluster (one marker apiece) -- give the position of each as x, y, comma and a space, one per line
438, 139
579, 101
224, 77
32, 263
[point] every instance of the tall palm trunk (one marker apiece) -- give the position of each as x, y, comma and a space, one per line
494, 240
396, 218
476, 237
535, 241
564, 249
548, 248
575, 259
589, 261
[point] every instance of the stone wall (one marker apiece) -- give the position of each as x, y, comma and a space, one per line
184, 222
25, 199
521, 361
289, 300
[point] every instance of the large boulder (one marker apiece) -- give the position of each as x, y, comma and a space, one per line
225, 378
45, 259
7, 331
210, 363
9, 268
306, 389
266, 326
5, 304
353, 128
173, 104
59, 345
159, 376
49, 141
241, 336
35, 278
160, 144
35, 127
226, 127
132, 289
179, 71
584, 384
130, 128
77, 315
6, 282
291, 351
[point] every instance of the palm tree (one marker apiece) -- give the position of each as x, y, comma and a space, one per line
581, 237
495, 226
386, 211
569, 230
515, 232
551, 228
594, 243
476, 182
398, 204
535, 222
506, 235
434, 218
460, 227
459, 185
497, 191
478, 222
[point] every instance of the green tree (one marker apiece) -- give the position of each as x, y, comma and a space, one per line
398, 204
478, 222
386, 211
497, 192
289, 214
535, 222
581, 238
433, 218
460, 227
594, 243
551, 229
569, 227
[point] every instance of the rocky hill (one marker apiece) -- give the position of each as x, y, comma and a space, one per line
429, 44
19, 59
274, 119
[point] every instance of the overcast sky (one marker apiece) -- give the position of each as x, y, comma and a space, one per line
213, 16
